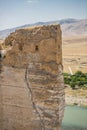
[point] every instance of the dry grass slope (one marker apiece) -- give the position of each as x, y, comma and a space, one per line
75, 53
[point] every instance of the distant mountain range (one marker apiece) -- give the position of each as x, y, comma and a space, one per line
69, 27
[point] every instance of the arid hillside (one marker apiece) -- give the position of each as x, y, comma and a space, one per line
75, 53
70, 27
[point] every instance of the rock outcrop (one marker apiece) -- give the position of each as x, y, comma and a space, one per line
32, 88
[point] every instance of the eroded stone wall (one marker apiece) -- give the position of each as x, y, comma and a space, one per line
32, 88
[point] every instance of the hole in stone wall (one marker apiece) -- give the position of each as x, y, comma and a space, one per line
20, 47
59, 46
4, 56
0, 55
36, 48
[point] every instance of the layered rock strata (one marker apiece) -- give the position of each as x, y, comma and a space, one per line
32, 88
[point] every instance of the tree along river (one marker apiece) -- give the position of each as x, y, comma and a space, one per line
75, 118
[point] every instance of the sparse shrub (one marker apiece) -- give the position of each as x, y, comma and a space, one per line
72, 84
75, 103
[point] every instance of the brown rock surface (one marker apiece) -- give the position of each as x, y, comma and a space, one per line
31, 82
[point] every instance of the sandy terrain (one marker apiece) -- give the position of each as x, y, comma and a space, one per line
78, 96
75, 53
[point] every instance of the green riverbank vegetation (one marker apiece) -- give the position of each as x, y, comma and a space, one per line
76, 81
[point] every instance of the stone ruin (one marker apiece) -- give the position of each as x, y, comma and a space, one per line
31, 80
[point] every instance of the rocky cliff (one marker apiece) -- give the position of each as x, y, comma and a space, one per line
31, 81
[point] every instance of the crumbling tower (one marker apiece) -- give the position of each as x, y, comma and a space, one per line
32, 88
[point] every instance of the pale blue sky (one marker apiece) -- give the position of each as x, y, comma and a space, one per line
19, 12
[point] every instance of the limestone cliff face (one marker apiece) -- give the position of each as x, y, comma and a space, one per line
33, 73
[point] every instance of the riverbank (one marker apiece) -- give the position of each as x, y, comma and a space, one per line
76, 97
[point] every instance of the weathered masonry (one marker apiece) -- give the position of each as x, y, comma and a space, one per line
31, 80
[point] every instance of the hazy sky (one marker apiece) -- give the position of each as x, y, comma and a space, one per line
19, 12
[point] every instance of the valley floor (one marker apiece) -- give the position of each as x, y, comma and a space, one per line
75, 58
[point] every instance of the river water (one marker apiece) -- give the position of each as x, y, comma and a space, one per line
75, 118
